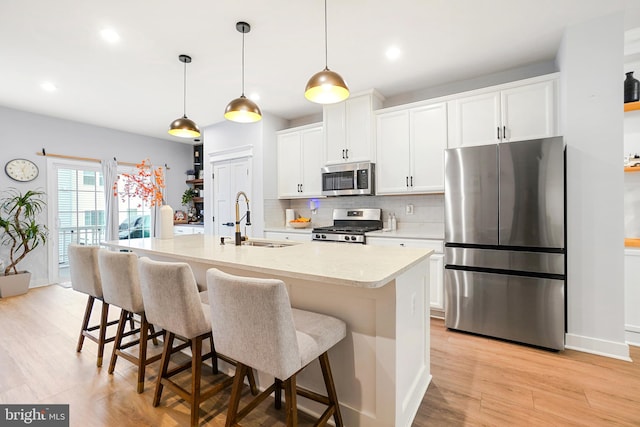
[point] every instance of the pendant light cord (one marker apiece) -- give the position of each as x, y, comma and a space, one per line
326, 49
243, 32
184, 96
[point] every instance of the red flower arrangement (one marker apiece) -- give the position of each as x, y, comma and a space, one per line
146, 183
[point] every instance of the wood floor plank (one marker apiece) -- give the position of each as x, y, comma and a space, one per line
477, 381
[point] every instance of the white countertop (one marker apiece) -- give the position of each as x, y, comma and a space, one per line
364, 266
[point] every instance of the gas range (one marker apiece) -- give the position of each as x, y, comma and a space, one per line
349, 226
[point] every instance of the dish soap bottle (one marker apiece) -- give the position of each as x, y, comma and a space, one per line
389, 222
394, 224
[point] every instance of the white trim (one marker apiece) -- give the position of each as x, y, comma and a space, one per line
632, 338
231, 153
615, 350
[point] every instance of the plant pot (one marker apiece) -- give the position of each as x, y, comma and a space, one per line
14, 284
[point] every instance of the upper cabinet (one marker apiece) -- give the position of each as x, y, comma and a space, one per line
523, 111
410, 147
348, 127
300, 161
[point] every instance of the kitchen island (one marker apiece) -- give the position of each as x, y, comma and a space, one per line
381, 368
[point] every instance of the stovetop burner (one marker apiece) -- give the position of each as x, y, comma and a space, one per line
349, 225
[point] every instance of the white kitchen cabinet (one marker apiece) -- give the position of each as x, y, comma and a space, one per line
348, 129
436, 265
515, 112
188, 229
283, 235
300, 161
410, 146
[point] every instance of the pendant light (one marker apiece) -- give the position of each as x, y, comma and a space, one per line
184, 127
242, 110
326, 86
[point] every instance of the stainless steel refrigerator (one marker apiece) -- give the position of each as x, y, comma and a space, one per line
505, 241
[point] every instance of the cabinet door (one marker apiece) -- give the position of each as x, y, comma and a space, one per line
311, 142
529, 112
436, 288
335, 133
475, 120
428, 128
359, 129
296, 237
289, 165
392, 142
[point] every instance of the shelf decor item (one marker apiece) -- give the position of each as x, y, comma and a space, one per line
21, 232
631, 88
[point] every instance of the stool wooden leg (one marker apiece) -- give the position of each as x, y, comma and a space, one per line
278, 394
164, 364
196, 372
291, 403
331, 388
104, 319
85, 322
118, 341
142, 351
236, 392
252, 382
214, 356
152, 329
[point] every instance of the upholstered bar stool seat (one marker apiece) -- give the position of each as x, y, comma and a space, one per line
253, 323
172, 302
121, 288
85, 278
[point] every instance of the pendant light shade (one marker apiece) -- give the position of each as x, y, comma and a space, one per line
326, 86
183, 126
242, 109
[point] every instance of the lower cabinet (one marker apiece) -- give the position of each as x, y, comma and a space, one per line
188, 229
436, 266
283, 235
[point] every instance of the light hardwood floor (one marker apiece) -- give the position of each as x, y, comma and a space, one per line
476, 380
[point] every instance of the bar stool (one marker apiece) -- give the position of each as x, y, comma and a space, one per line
85, 278
172, 302
255, 325
121, 288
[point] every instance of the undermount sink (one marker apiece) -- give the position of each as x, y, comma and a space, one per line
267, 244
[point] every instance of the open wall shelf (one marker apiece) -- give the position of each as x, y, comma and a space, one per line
631, 106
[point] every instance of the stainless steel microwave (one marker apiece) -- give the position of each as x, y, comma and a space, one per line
348, 179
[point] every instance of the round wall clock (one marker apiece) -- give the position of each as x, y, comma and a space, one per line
21, 170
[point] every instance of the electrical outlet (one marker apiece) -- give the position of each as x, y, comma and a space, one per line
409, 209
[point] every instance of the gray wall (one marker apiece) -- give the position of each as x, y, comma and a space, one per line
591, 65
23, 134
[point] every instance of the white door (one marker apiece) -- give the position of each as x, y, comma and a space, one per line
428, 141
229, 177
289, 157
392, 168
335, 133
358, 128
311, 143
475, 120
528, 112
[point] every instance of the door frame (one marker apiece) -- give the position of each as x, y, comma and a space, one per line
235, 153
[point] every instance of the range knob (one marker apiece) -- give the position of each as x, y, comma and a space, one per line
317, 236
353, 237
323, 236
346, 237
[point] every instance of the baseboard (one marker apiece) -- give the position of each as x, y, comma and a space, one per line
632, 335
615, 350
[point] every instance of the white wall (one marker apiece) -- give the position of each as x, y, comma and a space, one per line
591, 65
23, 134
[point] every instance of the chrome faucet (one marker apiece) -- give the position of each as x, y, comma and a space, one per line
239, 237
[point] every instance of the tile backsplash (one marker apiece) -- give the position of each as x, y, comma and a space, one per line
426, 208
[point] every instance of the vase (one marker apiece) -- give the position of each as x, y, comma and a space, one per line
631, 88
165, 231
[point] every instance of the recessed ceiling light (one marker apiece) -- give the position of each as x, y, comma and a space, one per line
393, 53
110, 35
48, 86
254, 97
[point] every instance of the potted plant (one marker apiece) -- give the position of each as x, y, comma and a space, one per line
21, 233
188, 195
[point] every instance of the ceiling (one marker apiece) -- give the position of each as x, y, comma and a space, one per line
136, 84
